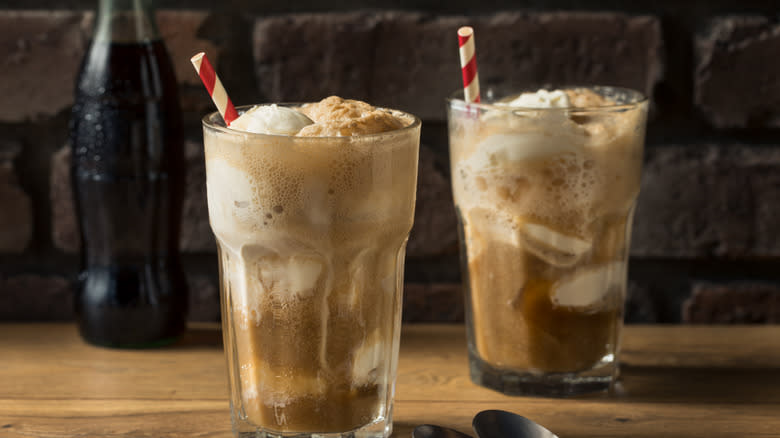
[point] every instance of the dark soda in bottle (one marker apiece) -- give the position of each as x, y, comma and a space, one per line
128, 178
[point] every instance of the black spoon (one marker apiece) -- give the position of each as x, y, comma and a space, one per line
433, 431
489, 424
503, 424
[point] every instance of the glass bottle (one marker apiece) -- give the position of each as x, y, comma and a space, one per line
128, 176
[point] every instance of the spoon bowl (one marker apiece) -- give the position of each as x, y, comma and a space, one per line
503, 424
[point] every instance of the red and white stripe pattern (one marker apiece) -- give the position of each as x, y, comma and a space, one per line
468, 64
214, 87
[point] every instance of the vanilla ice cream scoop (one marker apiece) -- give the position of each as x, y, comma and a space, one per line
542, 99
553, 247
590, 286
272, 119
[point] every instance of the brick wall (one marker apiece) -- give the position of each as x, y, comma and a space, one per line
706, 244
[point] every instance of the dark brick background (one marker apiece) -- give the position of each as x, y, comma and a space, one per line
706, 244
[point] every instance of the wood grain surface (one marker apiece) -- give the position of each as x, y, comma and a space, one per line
677, 381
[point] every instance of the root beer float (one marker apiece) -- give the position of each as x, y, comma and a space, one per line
311, 207
545, 185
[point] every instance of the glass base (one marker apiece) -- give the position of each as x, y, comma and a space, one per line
381, 428
598, 379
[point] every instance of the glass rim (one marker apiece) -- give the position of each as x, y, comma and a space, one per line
456, 100
215, 121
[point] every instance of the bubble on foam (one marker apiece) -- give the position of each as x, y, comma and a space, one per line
318, 209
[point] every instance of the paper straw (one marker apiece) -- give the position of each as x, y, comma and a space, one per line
214, 87
468, 64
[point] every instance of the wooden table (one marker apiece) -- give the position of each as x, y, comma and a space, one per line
677, 381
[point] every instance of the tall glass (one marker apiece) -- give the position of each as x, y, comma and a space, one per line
312, 235
545, 199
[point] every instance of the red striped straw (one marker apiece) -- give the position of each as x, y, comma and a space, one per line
468, 64
214, 87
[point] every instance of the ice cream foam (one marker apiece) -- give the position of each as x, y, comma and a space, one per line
589, 287
554, 188
271, 119
330, 117
259, 182
337, 117
569, 98
563, 168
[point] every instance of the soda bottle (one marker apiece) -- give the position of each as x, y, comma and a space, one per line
127, 170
